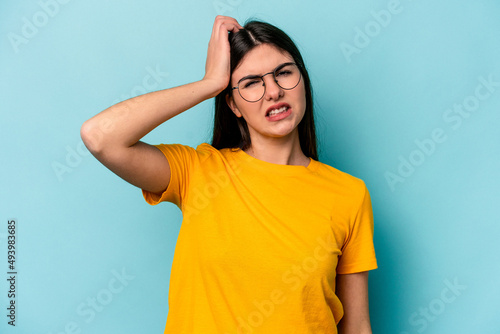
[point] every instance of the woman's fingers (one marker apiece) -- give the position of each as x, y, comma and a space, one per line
227, 19
226, 24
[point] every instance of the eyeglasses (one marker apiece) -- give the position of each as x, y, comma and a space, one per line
252, 87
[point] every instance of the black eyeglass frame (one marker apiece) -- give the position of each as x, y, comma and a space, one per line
273, 72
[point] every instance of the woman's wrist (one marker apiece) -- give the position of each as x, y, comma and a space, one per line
213, 86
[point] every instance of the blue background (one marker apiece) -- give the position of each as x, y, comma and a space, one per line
381, 85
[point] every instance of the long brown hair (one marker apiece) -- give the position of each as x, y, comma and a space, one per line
231, 131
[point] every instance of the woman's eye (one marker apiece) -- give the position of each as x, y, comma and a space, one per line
251, 83
284, 73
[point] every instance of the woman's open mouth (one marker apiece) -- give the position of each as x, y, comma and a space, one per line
279, 113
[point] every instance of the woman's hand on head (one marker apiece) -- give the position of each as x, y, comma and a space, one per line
217, 67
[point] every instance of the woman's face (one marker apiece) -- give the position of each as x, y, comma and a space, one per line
260, 60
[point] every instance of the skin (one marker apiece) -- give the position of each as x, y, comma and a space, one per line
352, 290
113, 136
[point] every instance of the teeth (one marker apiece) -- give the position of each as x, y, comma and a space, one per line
277, 111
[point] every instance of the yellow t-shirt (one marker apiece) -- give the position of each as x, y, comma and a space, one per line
260, 243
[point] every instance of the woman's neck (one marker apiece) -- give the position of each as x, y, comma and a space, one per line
282, 151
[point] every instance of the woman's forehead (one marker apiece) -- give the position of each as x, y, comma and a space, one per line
262, 59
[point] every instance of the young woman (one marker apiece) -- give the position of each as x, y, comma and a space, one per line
272, 240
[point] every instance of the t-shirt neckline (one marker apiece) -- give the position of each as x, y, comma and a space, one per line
275, 168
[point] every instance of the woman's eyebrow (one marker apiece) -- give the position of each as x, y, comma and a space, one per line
255, 76
251, 76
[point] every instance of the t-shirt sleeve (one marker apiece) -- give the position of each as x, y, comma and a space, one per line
358, 251
180, 159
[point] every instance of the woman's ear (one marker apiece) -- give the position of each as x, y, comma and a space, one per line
232, 105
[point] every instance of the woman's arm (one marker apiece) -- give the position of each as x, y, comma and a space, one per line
352, 290
113, 135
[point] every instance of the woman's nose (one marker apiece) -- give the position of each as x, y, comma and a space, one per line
273, 90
